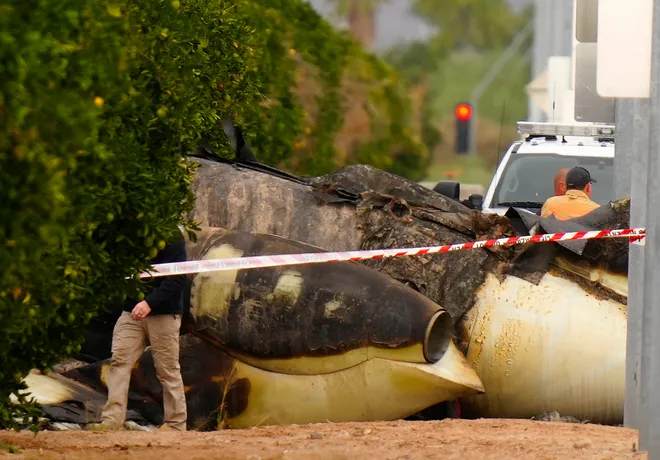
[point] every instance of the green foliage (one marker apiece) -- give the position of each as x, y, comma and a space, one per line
506, 100
480, 24
292, 38
466, 169
99, 103
415, 60
95, 112
9, 448
300, 53
470, 36
390, 117
343, 7
23, 413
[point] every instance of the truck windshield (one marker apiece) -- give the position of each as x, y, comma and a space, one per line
528, 180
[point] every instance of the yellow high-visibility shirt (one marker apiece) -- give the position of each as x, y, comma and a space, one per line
575, 203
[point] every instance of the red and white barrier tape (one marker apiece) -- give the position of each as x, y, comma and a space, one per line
241, 263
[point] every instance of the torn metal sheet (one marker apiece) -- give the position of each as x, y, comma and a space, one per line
542, 325
609, 216
277, 315
357, 179
602, 265
222, 391
336, 342
245, 200
383, 211
359, 207
551, 347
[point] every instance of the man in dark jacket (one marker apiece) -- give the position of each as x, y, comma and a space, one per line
155, 320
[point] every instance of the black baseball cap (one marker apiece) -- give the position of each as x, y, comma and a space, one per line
578, 177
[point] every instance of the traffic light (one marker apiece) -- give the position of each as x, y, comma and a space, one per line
463, 112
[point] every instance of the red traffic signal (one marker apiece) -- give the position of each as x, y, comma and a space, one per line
463, 111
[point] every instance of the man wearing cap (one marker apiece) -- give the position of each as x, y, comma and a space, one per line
576, 202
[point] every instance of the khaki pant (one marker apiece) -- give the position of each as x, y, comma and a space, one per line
129, 339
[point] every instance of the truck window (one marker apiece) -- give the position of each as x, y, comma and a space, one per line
528, 178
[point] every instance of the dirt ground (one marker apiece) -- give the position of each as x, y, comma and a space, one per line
448, 439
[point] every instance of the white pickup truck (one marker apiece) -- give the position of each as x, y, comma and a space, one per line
525, 175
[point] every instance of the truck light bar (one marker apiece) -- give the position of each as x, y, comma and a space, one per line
528, 128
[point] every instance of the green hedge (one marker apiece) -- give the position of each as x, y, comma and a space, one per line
301, 55
91, 176
99, 103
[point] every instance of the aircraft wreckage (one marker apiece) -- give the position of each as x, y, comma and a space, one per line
512, 332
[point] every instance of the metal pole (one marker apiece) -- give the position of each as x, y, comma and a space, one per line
645, 202
632, 145
553, 36
626, 150
625, 144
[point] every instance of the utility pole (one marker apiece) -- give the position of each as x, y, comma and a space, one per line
625, 142
630, 178
630, 160
643, 391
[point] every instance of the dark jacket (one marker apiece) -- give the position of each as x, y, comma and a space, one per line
164, 294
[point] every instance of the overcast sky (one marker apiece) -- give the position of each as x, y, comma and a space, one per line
396, 23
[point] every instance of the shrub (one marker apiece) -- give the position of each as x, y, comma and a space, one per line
100, 101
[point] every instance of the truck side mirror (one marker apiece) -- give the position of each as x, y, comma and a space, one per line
449, 189
476, 201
